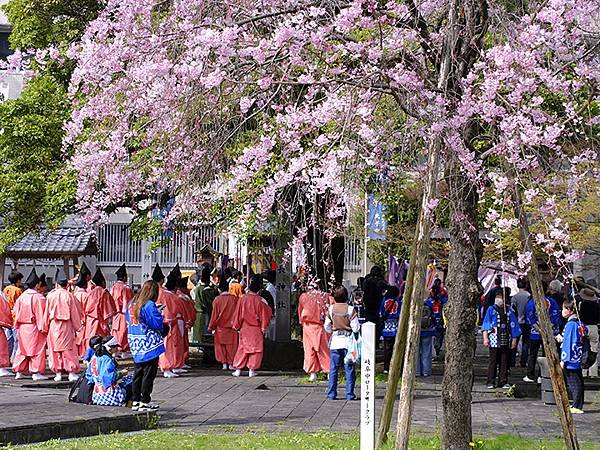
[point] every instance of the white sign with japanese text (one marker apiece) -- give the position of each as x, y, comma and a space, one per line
367, 387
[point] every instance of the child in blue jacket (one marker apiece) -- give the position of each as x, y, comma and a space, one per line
571, 353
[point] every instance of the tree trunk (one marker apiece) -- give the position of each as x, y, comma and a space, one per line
422, 238
541, 308
397, 355
464, 292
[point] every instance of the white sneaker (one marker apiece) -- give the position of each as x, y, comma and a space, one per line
180, 370
5, 373
313, 377
169, 374
186, 366
225, 367
38, 377
135, 406
252, 373
73, 376
236, 373
58, 377
19, 376
526, 379
539, 380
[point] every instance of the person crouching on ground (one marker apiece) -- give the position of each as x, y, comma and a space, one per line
145, 331
500, 332
341, 321
112, 387
571, 353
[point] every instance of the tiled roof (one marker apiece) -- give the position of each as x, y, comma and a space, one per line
72, 238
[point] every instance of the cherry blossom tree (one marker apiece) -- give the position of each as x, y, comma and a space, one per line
246, 110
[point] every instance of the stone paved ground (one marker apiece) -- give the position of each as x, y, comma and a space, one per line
212, 400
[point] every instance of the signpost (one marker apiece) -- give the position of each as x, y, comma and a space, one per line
367, 387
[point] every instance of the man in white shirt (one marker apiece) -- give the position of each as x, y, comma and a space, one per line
342, 322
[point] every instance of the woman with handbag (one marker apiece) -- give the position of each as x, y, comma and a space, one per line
342, 322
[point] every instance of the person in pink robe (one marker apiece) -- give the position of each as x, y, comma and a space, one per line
6, 321
312, 308
62, 319
189, 317
172, 360
251, 319
29, 313
82, 287
221, 325
99, 308
122, 295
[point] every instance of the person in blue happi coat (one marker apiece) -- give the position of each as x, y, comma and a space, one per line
389, 313
438, 297
500, 333
571, 353
535, 338
112, 387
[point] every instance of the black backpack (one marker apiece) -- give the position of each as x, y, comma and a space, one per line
588, 357
81, 391
427, 318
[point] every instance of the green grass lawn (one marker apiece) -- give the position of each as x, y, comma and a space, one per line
280, 441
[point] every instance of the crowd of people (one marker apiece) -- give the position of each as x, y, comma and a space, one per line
82, 319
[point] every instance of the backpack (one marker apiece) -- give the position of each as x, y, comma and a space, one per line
81, 391
503, 328
588, 357
427, 320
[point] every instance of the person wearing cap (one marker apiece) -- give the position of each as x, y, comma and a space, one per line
82, 287
189, 317
172, 360
122, 295
12, 292
589, 314
29, 312
221, 325
6, 322
251, 319
535, 337
112, 387
99, 309
63, 317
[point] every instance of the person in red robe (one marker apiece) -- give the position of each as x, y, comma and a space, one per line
172, 360
122, 295
62, 319
29, 312
312, 308
251, 319
189, 317
99, 309
6, 322
221, 325
82, 287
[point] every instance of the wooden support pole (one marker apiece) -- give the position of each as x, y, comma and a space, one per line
541, 308
397, 355
422, 238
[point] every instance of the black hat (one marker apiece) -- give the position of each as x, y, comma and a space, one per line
60, 276
84, 270
121, 272
81, 277
183, 282
32, 280
177, 270
43, 279
157, 274
172, 280
98, 278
